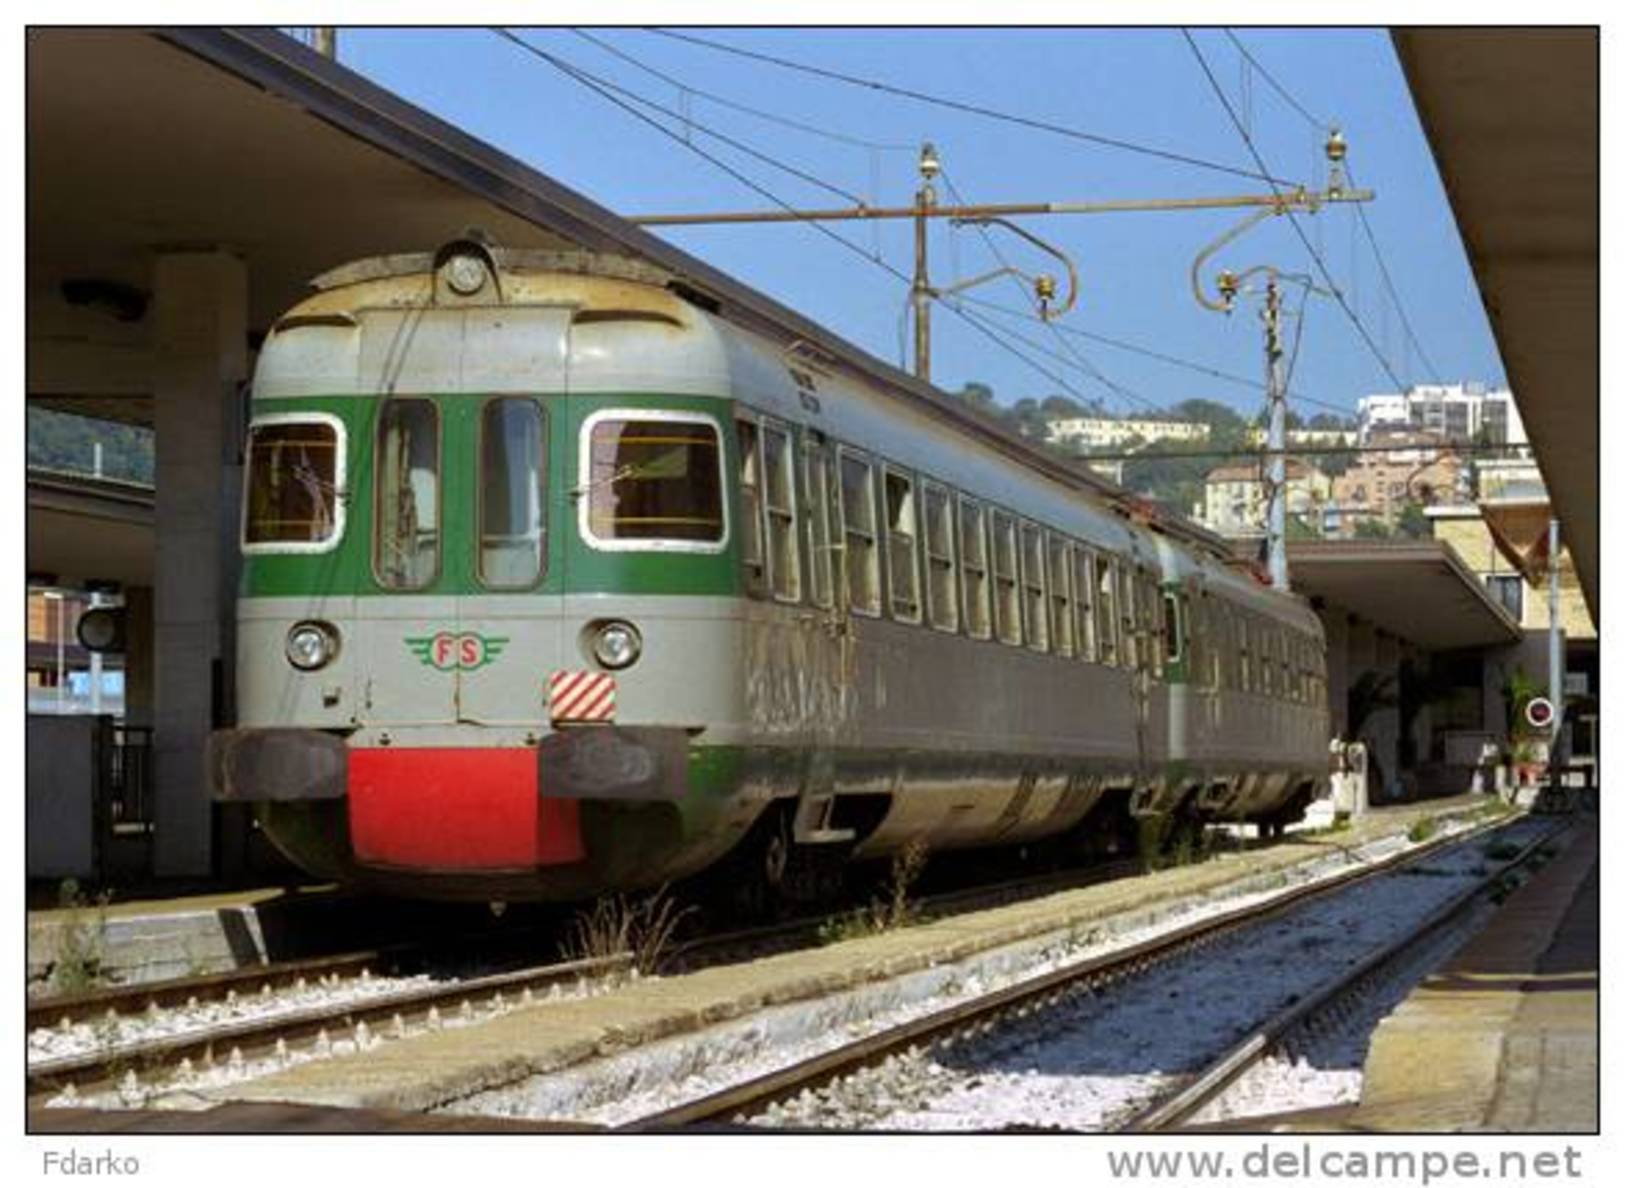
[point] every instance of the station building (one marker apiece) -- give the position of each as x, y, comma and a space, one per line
184, 185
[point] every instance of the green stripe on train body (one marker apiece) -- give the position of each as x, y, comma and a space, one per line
572, 565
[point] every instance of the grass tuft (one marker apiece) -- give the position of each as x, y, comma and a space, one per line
617, 924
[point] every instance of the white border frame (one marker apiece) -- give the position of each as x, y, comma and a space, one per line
341, 493
652, 544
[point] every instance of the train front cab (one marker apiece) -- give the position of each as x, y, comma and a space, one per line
464, 626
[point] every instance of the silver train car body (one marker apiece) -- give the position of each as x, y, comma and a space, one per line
889, 629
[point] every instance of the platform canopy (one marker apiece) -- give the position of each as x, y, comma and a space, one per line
1512, 118
1418, 590
248, 140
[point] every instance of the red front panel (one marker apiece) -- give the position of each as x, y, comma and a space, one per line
446, 808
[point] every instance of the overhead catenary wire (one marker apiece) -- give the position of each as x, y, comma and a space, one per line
611, 92
1292, 218
743, 108
1083, 361
604, 91
1321, 125
976, 109
1086, 365
604, 85
1162, 356
607, 91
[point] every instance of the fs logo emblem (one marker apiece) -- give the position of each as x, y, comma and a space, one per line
448, 650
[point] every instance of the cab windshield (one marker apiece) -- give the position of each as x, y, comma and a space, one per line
293, 483
653, 480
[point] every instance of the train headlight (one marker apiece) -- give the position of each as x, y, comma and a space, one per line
311, 646
465, 274
616, 645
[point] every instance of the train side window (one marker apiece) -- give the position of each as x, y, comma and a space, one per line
973, 568
751, 553
784, 555
1083, 591
1106, 609
406, 541
1035, 602
1283, 657
1130, 650
819, 497
1006, 583
941, 594
859, 534
1151, 620
1060, 592
902, 549
1173, 635
294, 485
1244, 656
1213, 632
512, 481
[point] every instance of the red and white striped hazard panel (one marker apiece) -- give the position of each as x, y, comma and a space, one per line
574, 695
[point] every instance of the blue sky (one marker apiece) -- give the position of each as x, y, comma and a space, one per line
1143, 86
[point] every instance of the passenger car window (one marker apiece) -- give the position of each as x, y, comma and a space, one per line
858, 526
942, 596
902, 559
820, 500
751, 554
784, 552
1060, 592
1006, 582
973, 566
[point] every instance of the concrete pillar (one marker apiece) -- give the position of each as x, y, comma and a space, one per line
1336, 624
1382, 729
138, 685
200, 360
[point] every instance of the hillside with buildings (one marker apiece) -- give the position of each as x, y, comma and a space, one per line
1375, 474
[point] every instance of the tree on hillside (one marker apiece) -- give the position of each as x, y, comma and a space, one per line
976, 393
1413, 522
1210, 413
1058, 408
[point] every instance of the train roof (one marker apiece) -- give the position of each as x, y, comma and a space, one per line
812, 342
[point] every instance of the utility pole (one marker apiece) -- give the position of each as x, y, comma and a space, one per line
924, 199
1276, 388
1554, 643
926, 207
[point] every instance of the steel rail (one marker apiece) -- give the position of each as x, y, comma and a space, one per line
106, 1066
91, 1005
1223, 1072
757, 1093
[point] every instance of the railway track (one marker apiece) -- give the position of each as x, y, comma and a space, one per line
982, 1015
174, 1058
1276, 1032
173, 1061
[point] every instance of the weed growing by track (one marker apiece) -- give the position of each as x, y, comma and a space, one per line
617, 924
894, 909
1421, 829
81, 953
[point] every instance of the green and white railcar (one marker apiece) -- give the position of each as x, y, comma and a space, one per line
555, 583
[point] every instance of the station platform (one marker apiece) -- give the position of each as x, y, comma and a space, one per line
155, 936
1502, 1038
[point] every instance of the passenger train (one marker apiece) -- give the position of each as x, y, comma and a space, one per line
555, 582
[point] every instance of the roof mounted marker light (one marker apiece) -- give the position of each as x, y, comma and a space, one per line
465, 274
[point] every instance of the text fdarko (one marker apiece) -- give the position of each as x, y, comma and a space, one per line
73, 1162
